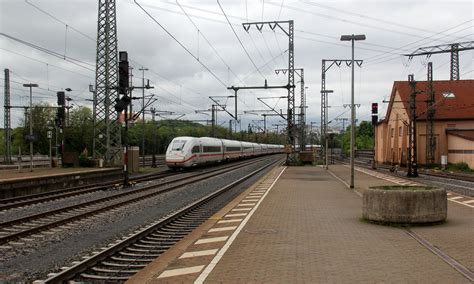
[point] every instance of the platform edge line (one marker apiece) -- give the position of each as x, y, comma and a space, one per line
202, 277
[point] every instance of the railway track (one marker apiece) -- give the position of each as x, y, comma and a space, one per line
32, 224
122, 259
44, 162
460, 184
25, 200
366, 162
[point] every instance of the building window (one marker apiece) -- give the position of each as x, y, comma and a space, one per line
391, 131
400, 131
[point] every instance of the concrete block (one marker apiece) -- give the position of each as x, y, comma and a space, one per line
405, 204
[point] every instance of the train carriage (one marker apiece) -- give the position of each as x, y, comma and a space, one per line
232, 149
185, 152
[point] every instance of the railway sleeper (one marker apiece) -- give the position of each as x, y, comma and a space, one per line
181, 227
193, 219
116, 258
114, 271
164, 238
140, 255
103, 278
135, 255
169, 231
106, 263
167, 242
153, 246
152, 251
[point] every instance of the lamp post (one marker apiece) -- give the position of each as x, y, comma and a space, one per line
352, 38
31, 85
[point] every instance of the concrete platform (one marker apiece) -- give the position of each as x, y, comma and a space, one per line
15, 183
302, 224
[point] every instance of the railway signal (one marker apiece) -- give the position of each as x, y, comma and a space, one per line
375, 111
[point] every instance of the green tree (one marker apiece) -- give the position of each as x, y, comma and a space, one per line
364, 137
78, 134
43, 120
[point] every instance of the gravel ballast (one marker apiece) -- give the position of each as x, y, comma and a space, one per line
35, 259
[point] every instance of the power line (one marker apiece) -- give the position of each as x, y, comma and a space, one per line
380, 56
50, 52
180, 44
206, 39
60, 21
281, 7
396, 24
43, 62
346, 20
246, 52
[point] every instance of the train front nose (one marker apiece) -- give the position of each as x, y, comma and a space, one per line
175, 159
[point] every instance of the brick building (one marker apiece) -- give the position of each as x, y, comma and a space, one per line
453, 126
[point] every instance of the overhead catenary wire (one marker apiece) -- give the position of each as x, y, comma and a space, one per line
78, 31
180, 44
396, 24
213, 48
51, 52
44, 62
59, 20
330, 17
376, 57
238, 38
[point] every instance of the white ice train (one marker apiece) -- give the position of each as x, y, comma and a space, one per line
184, 152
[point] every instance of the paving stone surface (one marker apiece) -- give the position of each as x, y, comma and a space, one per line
308, 230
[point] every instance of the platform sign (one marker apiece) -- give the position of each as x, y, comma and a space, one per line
31, 137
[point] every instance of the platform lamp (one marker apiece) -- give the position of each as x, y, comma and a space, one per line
352, 38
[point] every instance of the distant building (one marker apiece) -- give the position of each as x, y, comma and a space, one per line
453, 126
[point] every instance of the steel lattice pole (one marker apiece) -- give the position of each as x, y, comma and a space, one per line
107, 128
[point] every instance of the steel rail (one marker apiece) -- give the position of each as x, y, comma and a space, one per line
25, 200
24, 220
75, 270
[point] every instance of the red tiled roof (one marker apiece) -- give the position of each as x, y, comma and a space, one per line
457, 108
467, 134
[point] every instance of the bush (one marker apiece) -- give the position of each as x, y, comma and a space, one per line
461, 167
85, 162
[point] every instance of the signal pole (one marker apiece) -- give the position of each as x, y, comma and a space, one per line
143, 113
430, 113
412, 170
7, 120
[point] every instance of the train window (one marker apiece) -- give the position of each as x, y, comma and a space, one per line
178, 145
233, 149
211, 149
195, 149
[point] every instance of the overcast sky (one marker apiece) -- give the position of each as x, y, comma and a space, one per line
183, 85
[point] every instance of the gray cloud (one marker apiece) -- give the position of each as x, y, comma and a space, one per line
188, 85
